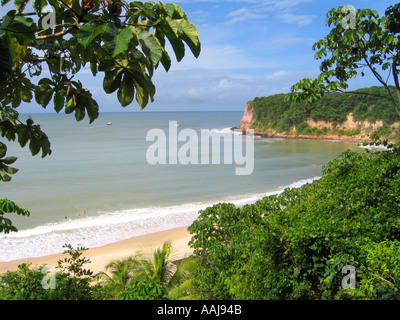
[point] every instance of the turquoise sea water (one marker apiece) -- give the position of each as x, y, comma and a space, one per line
97, 186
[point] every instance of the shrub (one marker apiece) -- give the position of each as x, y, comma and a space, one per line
295, 245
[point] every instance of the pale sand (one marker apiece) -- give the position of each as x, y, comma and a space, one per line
100, 256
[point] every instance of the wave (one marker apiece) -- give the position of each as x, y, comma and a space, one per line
226, 130
375, 147
109, 227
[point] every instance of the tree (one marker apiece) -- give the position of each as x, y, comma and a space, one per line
23, 284
222, 238
121, 272
7, 206
71, 282
161, 268
157, 275
143, 290
75, 280
125, 42
295, 245
358, 41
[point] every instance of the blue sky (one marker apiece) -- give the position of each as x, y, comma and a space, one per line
249, 49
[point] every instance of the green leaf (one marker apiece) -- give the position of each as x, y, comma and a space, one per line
171, 31
45, 81
89, 31
142, 80
20, 5
23, 29
174, 11
112, 80
79, 113
16, 101
34, 146
38, 5
23, 136
5, 177
190, 36
58, 101
106, 65
43, 94
93, 67
126, 91
69, 105
92, 111
9, 160
25, 93
5, 59
45, 145
122, 41
3, 150
10, 45
150, 46
109, 36
166, 60
9, 170
142, 97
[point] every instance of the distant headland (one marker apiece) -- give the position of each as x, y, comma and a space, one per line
363, 116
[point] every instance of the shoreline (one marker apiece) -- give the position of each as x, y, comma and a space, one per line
306, 137
101, 256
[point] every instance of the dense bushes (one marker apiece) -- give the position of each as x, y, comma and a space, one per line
70, 282
294, 245
139, 277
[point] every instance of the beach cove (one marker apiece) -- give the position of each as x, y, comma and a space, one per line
98, 191
101, 256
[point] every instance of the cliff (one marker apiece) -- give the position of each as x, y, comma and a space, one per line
348, 130
247, 119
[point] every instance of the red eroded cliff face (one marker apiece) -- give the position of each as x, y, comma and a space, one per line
247, 119
364, 129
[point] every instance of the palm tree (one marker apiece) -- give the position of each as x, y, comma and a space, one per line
183, 285
162, 268
159, 267
121, 272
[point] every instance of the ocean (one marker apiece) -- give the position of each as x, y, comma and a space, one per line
98, 187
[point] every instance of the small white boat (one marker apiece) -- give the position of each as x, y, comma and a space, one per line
109, 123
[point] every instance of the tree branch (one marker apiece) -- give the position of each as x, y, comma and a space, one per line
383, 279
77, 16
396, 81
140, 25
54, 35
382, 81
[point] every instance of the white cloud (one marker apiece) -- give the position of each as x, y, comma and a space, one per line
300, 20
202, 89
286, 76
290, 41
287, 4
245, 14
229, 84
226, 57
262, 9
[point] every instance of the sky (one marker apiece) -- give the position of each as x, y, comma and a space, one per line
249, 49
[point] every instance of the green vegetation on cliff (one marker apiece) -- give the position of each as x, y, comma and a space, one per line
276, 113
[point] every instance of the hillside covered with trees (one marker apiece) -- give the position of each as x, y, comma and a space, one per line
367, 107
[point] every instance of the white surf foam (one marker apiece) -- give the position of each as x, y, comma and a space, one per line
108, 227
226, 130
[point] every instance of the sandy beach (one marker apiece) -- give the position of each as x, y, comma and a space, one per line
100, 256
